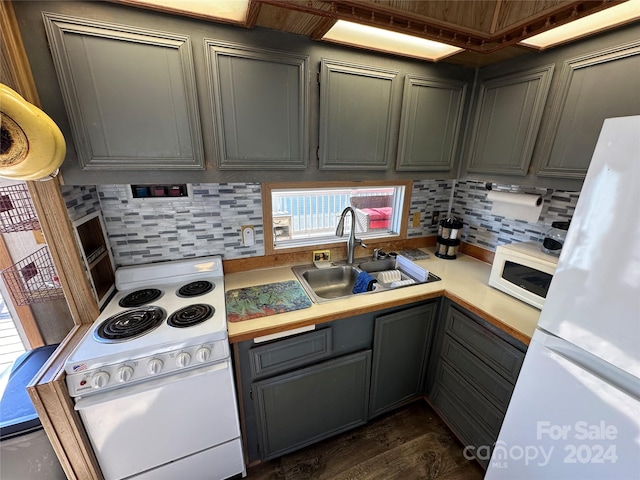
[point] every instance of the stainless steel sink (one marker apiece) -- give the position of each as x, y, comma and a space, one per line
337, 281
327, 283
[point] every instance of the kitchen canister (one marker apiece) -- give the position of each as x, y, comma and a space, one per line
554, 238
448, 241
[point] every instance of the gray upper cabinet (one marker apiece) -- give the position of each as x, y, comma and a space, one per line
508, 114
432, 115
259, 102
357, 105
592, 87
129, 94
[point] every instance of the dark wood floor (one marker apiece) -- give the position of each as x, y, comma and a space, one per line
410, 444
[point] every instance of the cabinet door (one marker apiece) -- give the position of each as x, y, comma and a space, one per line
356, 116
592, 87
259, 102
129, 93
430, 124
301, 407
508, 114
401, 343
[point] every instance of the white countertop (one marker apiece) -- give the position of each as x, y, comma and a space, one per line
464, 280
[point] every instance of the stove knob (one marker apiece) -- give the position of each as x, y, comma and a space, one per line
203, 354
155, 366
124, 373
100, 379
183, 359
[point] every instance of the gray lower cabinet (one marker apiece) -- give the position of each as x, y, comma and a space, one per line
473, 371
592, 87
357, 105
507, 118
259, 103
129, 93
430, 125
295, 390
401, 344
302, 407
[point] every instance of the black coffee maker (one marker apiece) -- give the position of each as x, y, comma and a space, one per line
449, 232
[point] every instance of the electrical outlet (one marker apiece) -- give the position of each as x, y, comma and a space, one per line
416, 219
435, 217
248, 235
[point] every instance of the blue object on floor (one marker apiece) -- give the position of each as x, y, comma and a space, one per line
364, 283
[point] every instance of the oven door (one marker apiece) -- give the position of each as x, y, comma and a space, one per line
183, 418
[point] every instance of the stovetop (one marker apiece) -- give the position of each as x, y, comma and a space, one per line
184, 331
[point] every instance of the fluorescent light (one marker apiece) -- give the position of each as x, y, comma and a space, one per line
233, 10
373, 38
611, 17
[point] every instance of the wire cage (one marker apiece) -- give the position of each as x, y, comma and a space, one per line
33, 279
17, 213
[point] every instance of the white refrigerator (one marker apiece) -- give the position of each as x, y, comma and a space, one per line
575, 410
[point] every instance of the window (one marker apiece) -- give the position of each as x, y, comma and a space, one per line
308, 215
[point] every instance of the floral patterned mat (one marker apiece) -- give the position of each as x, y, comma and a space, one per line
263, 300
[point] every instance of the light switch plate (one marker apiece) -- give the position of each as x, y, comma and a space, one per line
248, 235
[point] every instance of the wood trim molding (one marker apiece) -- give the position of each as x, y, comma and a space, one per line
16, 72
47, 390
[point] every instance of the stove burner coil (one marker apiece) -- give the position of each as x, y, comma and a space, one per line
194, 289
140, 297
130, 324
191, 315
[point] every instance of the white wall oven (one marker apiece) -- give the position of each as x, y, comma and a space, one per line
523, 271
152, 379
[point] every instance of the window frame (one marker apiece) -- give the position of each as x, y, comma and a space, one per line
267, 188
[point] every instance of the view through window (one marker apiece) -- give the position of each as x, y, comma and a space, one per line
309, 216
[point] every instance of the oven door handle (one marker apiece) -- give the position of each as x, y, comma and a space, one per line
100, 397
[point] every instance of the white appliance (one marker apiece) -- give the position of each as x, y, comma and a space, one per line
523, 271
152, 379
575, 410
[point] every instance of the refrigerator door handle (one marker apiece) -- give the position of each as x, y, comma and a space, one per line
613, 375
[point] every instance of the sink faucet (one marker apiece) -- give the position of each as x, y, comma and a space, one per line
352, 242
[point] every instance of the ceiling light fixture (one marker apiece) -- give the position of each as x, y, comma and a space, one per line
229, 10
372, 38
611, 17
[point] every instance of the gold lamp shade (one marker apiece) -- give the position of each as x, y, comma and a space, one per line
32, 146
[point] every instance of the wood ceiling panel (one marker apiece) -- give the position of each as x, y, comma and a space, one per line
514, 13
473, 15
286, 20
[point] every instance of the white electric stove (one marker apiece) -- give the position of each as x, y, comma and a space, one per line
155, 366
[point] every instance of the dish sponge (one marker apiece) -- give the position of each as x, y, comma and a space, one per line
364, 283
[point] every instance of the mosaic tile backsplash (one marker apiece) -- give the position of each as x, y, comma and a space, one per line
488, 231
142, 231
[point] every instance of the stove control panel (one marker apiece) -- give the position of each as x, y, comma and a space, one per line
116, 375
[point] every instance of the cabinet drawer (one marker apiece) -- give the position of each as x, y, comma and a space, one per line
463, 424
480, 408
290, 352
495, 352
496, 388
